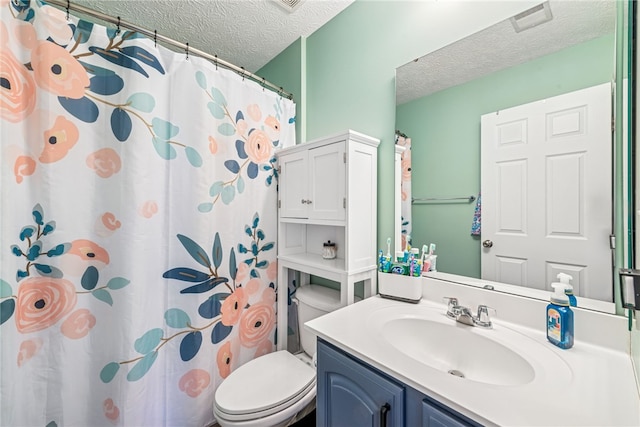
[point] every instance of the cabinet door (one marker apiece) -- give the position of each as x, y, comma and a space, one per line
351, 394
327, 182
435, 416
293, 185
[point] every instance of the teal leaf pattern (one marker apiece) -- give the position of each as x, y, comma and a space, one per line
196, 252
190, 345
226, 129
118, 59
177, 318
142, 367
216, 251
5, 289
83, 109
117, 283
7, 307
228, 194
109, 84
186, 274
164, 129
143, 56
103, 295
90, 278
121, 124
164, 149
193, 156
201, 79
109, 372
218, 97
216, 110
83, 31
142, 102
148, 341
211, 307
220, 332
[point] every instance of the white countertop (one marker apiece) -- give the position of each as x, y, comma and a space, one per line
592, 385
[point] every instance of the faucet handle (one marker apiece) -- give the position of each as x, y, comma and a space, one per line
482, 319
451, 304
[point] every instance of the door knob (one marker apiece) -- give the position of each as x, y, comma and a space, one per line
487, 243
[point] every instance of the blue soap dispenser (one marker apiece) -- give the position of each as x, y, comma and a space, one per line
560, 318
565, 279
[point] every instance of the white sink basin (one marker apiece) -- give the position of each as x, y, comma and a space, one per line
497, 357
458, 350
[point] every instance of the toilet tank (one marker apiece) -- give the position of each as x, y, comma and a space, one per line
314, 301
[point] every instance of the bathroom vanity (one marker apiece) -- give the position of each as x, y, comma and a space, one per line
349, 390
398, 364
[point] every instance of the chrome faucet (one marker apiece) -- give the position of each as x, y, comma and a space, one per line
464, 315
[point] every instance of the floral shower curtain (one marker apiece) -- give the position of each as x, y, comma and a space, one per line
138, 224
405, 187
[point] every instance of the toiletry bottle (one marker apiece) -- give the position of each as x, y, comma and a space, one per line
565, 279
559, 318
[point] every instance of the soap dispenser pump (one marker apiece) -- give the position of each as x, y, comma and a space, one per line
565, 279
559, 318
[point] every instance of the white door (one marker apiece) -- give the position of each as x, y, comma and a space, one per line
546, 192
327, 182
293, 185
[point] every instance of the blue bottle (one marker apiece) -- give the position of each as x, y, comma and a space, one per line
560, 318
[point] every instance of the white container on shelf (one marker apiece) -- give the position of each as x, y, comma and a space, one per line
398, 287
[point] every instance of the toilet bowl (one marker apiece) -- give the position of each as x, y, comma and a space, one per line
279, 388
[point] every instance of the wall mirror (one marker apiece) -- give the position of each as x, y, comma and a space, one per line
525, 60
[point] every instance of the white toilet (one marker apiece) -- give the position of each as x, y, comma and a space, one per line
279, 388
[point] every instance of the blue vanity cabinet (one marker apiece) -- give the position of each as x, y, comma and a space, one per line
426, 412
351, 394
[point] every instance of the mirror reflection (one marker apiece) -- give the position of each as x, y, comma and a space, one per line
511, 162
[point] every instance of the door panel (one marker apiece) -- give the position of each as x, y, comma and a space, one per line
546, 192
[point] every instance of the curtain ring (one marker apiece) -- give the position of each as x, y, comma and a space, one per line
215, 61
280, 91
155, 38
243, 72
118, 27
68, 7
187, 50
263, 83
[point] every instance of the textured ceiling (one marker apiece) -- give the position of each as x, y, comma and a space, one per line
247, 33
499, 47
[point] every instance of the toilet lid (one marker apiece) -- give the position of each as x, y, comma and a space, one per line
264, 383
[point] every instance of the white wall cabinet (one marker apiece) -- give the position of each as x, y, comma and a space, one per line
313, 186
327, 190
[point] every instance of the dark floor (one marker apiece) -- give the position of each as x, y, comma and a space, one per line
308, 421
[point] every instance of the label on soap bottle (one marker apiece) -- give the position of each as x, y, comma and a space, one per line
554, 324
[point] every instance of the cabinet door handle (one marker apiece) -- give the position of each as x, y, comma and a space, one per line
384, 410
309, 202
303, 201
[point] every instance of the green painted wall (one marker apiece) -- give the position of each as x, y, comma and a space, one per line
445, 137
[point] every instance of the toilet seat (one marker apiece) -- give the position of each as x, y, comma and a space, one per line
265, 386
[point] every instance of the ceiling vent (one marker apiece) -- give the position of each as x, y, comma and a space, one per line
532, 17
289, 5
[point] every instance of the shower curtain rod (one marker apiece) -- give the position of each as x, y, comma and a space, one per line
67, 5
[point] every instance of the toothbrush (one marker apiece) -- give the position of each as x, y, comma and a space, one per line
389, 247
424, 253
432, 248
